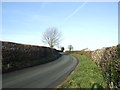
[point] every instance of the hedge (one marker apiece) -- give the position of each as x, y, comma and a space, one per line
17, 56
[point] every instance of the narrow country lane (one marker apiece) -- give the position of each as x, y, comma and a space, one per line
43, 76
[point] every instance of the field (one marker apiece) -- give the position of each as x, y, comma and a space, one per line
86, 75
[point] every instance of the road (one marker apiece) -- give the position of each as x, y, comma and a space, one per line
42, 76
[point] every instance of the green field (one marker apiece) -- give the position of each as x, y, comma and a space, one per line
86, 75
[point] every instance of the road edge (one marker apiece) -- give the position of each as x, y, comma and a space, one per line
72, 72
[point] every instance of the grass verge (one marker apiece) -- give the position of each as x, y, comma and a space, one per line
86, 75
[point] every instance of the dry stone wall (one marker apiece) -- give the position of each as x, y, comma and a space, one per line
16, 56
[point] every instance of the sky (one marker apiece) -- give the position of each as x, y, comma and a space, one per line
90, 25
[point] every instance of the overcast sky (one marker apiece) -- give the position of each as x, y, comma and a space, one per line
90, 25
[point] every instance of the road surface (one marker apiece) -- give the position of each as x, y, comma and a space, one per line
43, 76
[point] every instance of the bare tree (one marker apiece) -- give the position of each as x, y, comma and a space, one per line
51, 36
70, 47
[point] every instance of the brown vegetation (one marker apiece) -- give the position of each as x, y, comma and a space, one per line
17, 56
109, 60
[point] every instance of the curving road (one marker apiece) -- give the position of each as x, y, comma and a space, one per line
43, 76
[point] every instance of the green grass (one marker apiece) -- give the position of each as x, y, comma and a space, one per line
86, 75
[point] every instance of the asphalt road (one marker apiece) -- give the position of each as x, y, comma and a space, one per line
43, 76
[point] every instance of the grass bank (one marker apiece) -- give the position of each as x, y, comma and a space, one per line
86, 75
